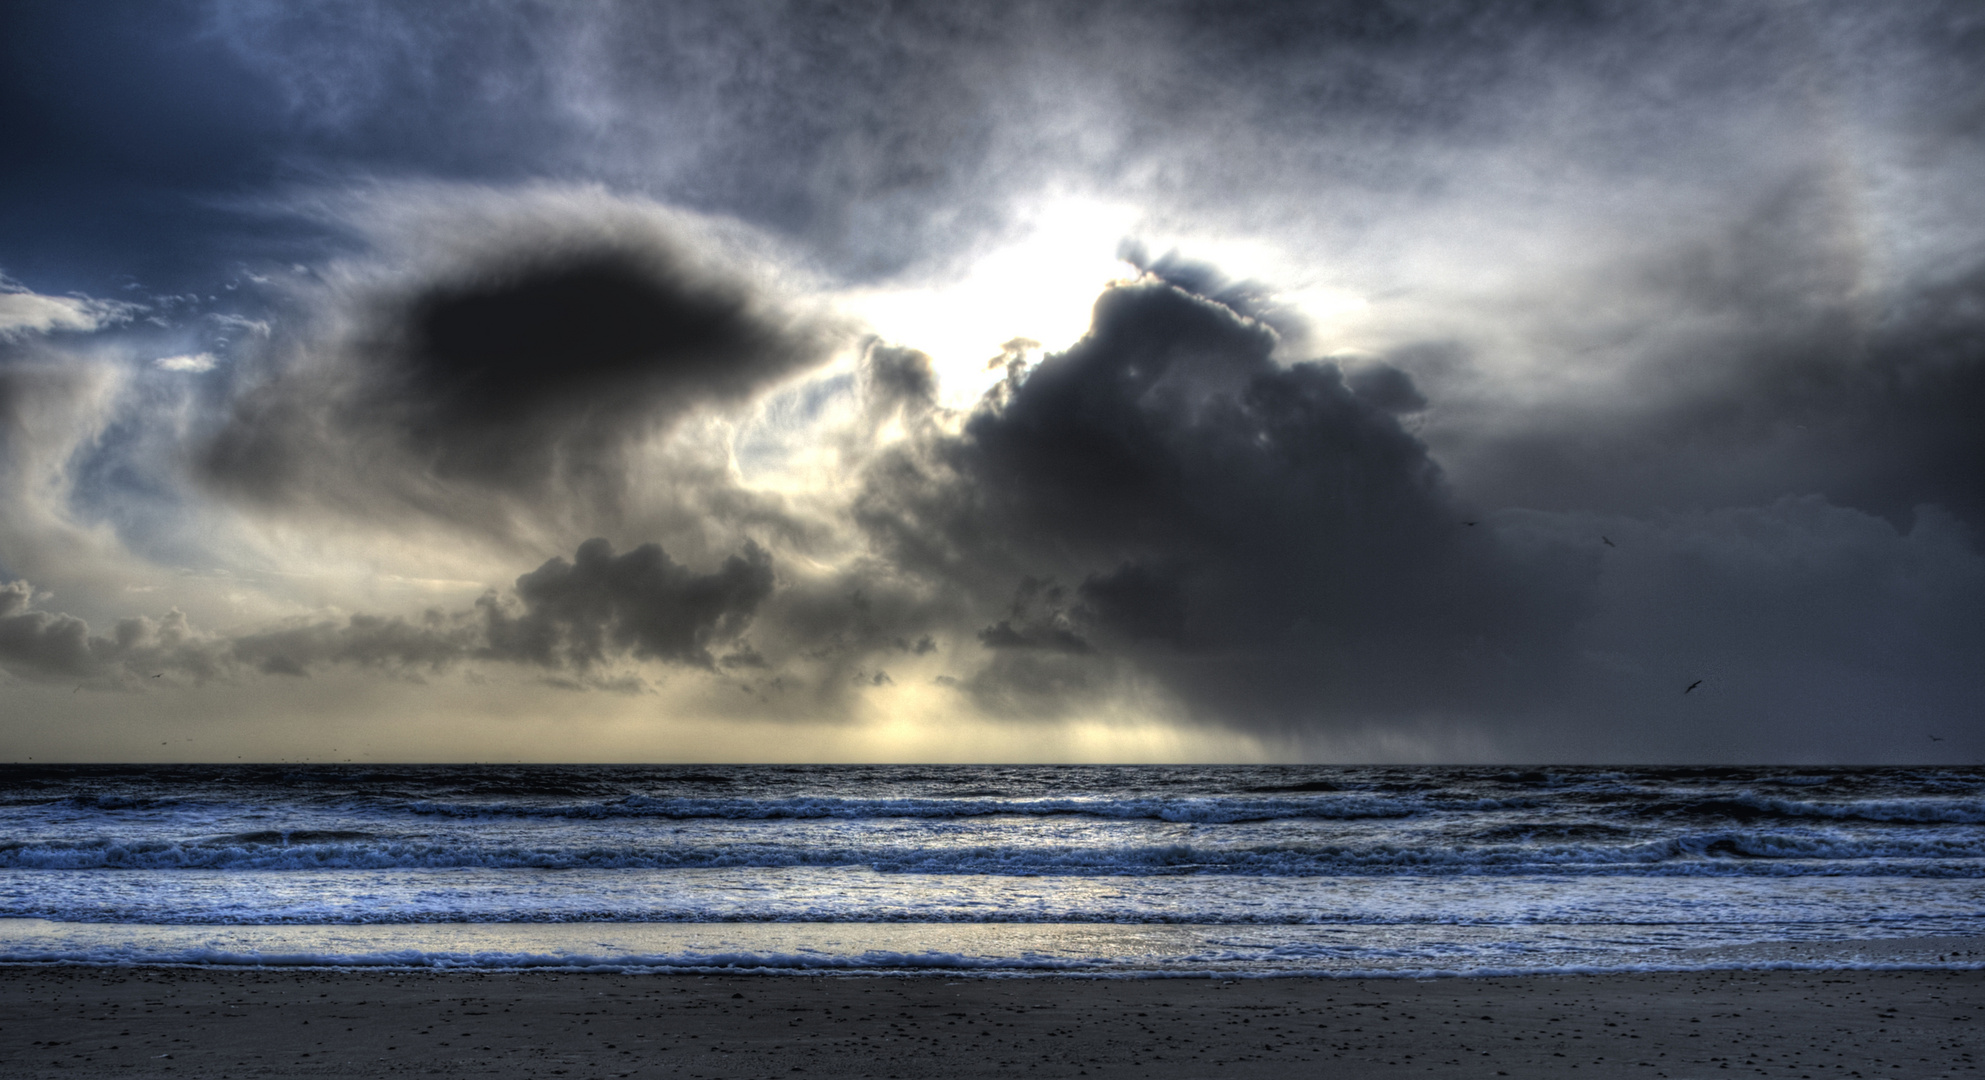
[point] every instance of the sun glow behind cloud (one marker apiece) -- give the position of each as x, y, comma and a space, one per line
1040, 287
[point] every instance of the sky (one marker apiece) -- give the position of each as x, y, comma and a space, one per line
1402, 381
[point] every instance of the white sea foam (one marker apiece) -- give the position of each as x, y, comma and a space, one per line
994, 950
1698, 908
1725, 851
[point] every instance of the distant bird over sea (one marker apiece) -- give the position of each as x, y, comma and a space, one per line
1608, 541
1936, 738
1692, 686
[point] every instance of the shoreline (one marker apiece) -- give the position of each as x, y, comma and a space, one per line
77, 1021
979, 949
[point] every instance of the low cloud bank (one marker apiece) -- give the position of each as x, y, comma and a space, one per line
566, 616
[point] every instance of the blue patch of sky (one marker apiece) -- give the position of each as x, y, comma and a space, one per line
125, 479
787, 419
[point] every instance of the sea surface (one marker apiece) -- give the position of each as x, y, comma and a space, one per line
1148, 870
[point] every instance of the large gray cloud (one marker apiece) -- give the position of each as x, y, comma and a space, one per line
642, 603
509, 367
1272, 541
1167, 504
52, 645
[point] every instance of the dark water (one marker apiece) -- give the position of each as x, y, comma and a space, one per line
1004, 868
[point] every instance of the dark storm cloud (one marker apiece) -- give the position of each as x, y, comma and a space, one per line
508, 369
525, 368
1266, 540
1166, 504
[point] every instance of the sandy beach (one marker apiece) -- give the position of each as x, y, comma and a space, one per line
218, 1023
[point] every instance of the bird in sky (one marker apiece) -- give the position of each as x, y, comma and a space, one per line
1936, 738
1608, 541
1692, 686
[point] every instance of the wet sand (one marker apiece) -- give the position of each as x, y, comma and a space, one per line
222, 1023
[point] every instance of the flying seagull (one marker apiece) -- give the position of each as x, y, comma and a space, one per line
1936, 738
1469, 524
160, 675
1608, 541
1693, 685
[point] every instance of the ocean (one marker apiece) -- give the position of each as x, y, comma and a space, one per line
1129, 871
